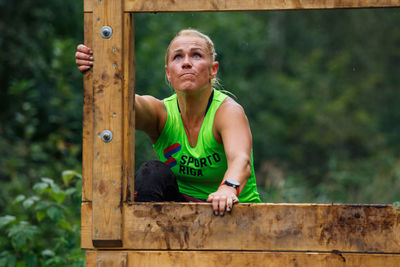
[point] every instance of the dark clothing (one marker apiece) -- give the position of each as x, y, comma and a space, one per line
155, 182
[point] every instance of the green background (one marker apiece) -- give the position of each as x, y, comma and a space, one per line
320, 89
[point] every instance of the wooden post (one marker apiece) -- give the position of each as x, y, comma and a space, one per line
109, 99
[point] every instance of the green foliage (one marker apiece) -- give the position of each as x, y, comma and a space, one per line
320, 89
44, 228
40, 96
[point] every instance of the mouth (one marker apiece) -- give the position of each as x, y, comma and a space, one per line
187, 74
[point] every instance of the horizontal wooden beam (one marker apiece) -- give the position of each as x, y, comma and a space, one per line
257, 227
238, 258
240, 5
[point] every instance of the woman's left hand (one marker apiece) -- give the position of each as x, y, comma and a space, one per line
223, 199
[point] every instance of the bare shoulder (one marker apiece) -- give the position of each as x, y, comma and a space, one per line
230, 109
149, 100
230, 116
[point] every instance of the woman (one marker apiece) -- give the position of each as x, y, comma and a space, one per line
199, 133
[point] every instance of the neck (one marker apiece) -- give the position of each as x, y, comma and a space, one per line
193, 105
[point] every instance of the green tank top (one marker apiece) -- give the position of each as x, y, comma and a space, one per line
199, 170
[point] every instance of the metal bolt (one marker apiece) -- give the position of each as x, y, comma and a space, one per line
106, 32
106, 136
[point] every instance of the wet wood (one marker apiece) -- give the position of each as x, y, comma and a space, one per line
248, 5
108, 92
238, 258
87, 134
266, 227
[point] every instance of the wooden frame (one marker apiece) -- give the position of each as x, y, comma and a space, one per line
117, 232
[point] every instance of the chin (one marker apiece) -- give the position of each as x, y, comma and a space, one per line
190, 88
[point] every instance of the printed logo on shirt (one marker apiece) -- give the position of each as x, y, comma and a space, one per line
169, 151
193, 166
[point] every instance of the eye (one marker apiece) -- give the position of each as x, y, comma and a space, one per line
177, 57
197, 55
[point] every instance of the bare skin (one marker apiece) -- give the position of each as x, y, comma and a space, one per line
190, 70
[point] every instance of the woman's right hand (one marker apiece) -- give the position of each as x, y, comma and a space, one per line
84, 58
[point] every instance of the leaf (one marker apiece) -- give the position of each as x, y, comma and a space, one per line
39, 187
7, 259
5, 220
58, 196
40, 215
48, 253
19, 198
48, 181
70, 191
54, 213
67, 176
29, 202
21, 233
42, 205
65, 225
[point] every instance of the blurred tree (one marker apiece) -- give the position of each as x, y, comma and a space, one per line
41, 95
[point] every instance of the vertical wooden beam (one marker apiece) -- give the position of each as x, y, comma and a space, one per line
129, 99
108, 91
87, 134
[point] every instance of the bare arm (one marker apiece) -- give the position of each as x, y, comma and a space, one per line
150, 116
150, 113
233, 128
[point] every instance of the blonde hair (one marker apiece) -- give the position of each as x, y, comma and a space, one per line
194, 33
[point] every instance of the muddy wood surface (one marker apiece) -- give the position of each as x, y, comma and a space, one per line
253, 227
235, 258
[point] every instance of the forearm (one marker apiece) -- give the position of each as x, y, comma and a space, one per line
239, 169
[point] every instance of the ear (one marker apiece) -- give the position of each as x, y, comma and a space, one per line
167, 73
214, 69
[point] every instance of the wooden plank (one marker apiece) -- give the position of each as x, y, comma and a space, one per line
87, 134
238, 258
248, 5
86, 225
262, 227
91, 258
129, 114
108, 115
106, 259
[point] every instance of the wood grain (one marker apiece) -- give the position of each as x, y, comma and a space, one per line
108, 115
87, 134
261, 227
238, 258
129, 112
106, 259
240, 5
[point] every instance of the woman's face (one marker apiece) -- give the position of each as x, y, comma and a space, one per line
190, 66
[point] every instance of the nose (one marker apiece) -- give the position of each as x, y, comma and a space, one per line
186, 63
